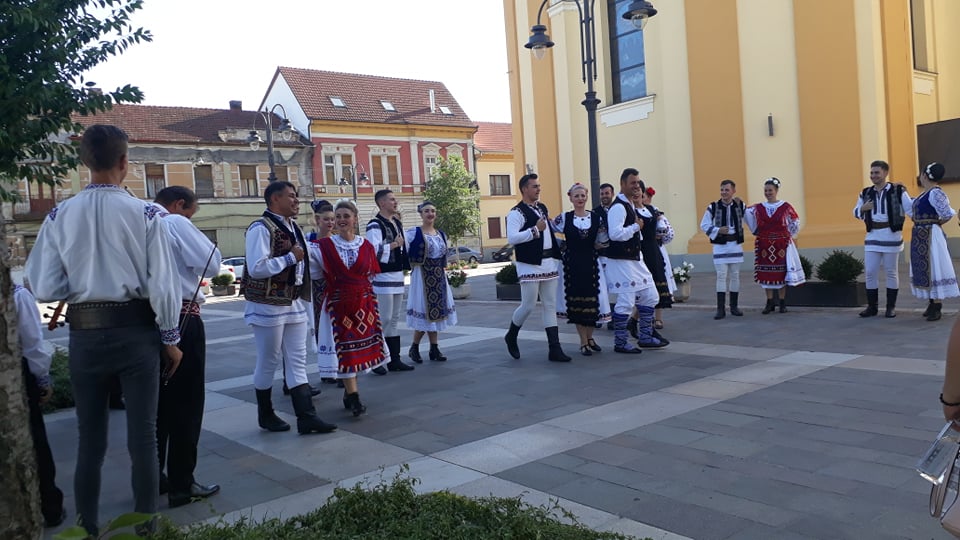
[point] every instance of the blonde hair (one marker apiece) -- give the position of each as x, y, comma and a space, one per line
348, 204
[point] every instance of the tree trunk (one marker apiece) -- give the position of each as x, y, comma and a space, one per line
19, 491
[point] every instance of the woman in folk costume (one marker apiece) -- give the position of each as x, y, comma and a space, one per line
430, 306
349, 333
777, 262
325, 226
581, 298
931, 269
664, 236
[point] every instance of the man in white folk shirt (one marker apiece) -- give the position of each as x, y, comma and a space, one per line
882, 208
276, 286
722, 222
385, 232
538, 260
180, 411
108, 255
627, 275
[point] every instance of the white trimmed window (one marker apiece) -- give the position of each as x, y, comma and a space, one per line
337, 167
385, 165
431, 156
155, 178
249, 183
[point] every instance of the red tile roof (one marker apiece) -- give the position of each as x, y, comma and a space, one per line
363, 93
494, 137
152, 123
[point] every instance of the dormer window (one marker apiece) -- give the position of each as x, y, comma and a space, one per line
446, 110
387, 106
337, 102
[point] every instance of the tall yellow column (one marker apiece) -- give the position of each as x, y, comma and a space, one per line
898, 77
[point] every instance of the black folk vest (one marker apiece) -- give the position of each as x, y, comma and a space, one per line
391, 229
532, 252
627, 249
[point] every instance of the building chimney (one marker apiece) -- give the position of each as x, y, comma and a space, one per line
433, 101
236, 105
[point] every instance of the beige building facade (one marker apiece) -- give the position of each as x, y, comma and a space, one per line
808, 91
496, 181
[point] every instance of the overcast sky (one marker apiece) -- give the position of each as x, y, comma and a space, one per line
206, 52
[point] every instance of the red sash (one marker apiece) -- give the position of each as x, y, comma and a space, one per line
352, 307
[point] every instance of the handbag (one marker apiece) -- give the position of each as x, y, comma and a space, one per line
943, 494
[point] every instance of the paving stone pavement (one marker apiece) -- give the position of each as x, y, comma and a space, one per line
798, 425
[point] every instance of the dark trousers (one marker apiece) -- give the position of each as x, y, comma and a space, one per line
180, 413
51, 498
96, 356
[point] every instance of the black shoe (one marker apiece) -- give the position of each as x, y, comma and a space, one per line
553, 341
769, 307
593, 345
266, 416
307, 419
721, 309
415, 353
379, 370
355, 406
734, 304
625, 350
585, 350
871, 311
435, 354
872, 301
935, 313
511, 339
926, 312
783, 306
196, 491
56, 520
396, 365
891, 311
661, 338
328, 380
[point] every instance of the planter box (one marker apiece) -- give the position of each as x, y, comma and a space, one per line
461, 292
228, 290
510, 291
823, 294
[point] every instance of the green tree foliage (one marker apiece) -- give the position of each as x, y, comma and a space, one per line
449, 188
46, 46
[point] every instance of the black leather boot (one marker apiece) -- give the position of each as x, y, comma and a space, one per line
393, 344
721, 306
935, 312
735, 304
435, 354
266, 417
307, 419
414, 353
769, 307
553, 340
926, 312
511, 338
313, 391
783, 299
873, 299
355, 406
891, 303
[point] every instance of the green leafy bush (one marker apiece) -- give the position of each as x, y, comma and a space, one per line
507, 275
395, 510
807, 267
839, 267
222, 280
60, 378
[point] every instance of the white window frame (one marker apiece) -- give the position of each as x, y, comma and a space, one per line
383, 153
431, 154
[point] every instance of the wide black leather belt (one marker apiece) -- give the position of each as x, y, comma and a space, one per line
728, 237
881, 225
101, 315
547, 253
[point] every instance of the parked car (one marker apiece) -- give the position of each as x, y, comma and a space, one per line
466, 254
504, 254
236, 263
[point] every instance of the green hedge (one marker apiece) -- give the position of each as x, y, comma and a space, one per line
396, 511
60, 376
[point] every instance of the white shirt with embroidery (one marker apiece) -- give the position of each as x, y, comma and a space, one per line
102, 245
32, 347
262, 265
191, 250
548, 267
384, 282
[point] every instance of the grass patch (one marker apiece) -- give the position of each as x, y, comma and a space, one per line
394, 510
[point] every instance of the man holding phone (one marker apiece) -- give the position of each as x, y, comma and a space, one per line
124, 306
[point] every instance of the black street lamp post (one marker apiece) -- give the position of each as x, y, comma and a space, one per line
638, 12
286, 133
356, 174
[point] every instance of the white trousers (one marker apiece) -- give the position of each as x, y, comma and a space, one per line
728, 277
547, 289
285, 341
648, 297
873, 260
390, 307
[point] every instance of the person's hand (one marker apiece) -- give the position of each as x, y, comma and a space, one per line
297, 252
867, 206
541, 224
46, 392
172, 355
723, 230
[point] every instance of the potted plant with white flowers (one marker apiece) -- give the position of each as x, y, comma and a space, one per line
682, 275
457, 279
